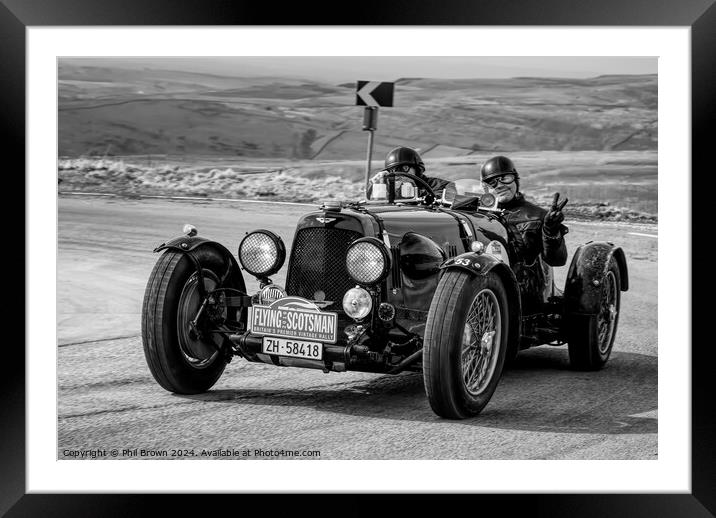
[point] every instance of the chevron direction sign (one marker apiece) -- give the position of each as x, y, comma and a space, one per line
374, 93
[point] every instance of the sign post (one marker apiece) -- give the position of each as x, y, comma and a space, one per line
372, 94
370, 123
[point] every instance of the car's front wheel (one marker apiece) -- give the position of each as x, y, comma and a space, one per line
181, 354
465, 344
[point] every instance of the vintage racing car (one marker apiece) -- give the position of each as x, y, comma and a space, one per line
399, 281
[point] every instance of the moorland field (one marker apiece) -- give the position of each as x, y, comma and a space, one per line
151, 131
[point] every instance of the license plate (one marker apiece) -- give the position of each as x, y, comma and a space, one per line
293, 348
294, 317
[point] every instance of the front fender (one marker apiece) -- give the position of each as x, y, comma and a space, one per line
471, 262
207, 251
482, 264
184, 243
589, 264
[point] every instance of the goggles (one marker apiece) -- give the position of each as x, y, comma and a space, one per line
505, 178
403, 168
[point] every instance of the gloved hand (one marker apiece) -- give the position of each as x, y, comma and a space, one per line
553, 219
379, 176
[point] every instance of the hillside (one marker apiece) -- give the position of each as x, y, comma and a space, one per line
120, 111
616, 185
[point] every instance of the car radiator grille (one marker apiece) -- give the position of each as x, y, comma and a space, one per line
318, 263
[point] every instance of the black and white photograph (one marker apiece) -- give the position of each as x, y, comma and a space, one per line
357, 258
413, 259
412, 251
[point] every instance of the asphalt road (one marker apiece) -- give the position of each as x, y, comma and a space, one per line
108, 399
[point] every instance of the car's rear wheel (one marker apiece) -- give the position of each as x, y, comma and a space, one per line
182, 357
591, 337
466, 337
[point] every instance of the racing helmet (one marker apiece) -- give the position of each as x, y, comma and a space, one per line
404, 155
497, 166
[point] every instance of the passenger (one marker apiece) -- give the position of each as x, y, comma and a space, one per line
545, 233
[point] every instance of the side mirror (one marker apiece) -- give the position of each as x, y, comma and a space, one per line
488, 201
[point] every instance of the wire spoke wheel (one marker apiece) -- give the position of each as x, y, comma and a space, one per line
607, 312
466, 339
481, 338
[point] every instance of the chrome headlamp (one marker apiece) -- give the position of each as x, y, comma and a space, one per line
262, 253
367, 261
357, 303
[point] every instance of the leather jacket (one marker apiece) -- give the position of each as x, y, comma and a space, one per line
532, 239
436, 184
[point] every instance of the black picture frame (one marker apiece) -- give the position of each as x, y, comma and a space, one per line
699, 15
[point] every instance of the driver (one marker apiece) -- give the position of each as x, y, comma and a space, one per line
544, 233
407, 160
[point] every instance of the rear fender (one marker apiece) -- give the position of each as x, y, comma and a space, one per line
482, 264
206, 253
582, 291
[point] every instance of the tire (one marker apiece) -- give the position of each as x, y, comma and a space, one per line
179, 361
449, 349
590, 337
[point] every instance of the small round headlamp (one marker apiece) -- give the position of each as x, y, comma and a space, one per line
477, 247
367, 261
262, 253
357, 303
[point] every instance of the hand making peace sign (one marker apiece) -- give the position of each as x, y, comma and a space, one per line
554, 217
